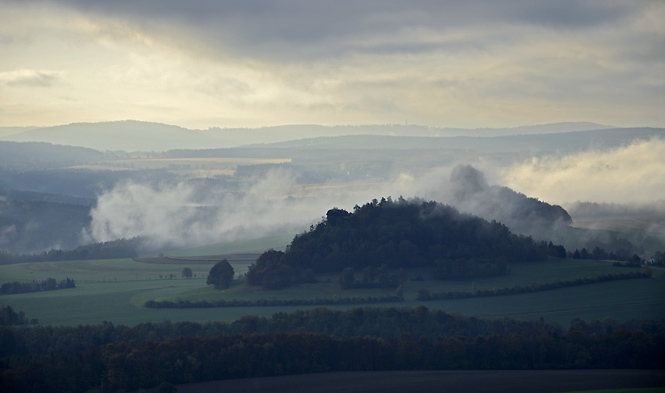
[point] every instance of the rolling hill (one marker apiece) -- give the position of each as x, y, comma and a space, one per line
126, 135
132, 135
532, 143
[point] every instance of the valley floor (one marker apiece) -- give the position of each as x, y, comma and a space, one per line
115, 290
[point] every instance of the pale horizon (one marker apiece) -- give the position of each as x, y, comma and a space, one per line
332, 125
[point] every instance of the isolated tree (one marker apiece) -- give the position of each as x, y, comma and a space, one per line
220, 275
187, 272
167, 387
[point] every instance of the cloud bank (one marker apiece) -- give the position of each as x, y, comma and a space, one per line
184, 214
255, 63
634, 173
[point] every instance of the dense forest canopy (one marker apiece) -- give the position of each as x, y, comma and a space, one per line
121, 358
398, 234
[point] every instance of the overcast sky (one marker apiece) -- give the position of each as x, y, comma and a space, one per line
210, 63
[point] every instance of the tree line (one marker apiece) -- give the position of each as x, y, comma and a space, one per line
50, 284
375, 278
621, 255
116, 249
77, 359
220, 303
424, 294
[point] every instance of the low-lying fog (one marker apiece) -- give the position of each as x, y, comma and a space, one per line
187, 214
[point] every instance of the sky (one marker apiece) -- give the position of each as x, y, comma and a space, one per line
210, 63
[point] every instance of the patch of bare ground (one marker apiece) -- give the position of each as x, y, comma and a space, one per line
490, 381
239, 257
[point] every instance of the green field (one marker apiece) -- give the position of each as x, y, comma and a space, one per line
115, 290
278, 242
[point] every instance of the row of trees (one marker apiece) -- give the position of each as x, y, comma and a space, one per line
377, 322
75, 359
535, 286
335, 300
50, 284
122, 248
622, 255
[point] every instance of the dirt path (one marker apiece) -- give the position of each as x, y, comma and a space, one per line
547, 381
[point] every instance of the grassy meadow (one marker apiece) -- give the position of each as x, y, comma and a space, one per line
115, 290
278, 242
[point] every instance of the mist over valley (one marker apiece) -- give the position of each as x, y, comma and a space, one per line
301, 196
184, 198
60, 202
361, 242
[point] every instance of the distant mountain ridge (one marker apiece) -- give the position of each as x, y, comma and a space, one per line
128, 135
132, 135
568, 141
24, 155
294, 132
5, 131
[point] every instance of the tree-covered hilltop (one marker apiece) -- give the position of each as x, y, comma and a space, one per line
398, 235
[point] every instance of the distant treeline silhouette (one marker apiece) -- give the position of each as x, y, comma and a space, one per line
50, 284
79, 359
271, 302
122, 248
535, 286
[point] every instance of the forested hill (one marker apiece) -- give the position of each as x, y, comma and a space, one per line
398, 234
22, 156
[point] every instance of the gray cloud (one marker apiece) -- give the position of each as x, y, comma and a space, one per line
296, 29
442, 63
575, 14
30, 78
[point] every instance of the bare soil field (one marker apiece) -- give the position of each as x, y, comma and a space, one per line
491, 381
239, 257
